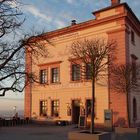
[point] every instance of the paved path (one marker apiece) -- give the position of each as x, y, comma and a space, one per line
31, 132
125, 137
36, 132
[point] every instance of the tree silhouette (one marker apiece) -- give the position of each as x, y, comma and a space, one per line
12, 54
124, 80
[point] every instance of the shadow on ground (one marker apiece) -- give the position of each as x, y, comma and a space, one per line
38, 132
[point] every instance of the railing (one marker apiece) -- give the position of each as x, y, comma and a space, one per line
7, 122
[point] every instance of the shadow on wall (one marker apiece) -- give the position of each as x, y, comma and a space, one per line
118, 121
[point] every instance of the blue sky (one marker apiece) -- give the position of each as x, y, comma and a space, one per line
49, 15
54, 14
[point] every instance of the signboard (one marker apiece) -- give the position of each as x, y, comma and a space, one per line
81, 121
108, 115
108, 118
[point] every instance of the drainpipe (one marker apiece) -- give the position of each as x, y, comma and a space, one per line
31, 91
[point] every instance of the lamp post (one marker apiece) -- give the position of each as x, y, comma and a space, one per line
14, 110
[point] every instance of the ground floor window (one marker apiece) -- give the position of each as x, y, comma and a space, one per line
88, 108
55, 108
43, 108
134, 109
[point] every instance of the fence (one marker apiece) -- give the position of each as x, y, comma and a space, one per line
14, 122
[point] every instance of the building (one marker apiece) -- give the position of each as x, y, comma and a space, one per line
58, 96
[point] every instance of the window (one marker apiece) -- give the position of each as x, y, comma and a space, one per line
88, 107
55, 75
68, 109
43, 108
43, 76
133, 70
55, 108
75, 72
132, 37
134, 58
134, 109
88, 71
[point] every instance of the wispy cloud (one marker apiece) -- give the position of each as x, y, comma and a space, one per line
60, 23
49, 16
37, 13
70, 1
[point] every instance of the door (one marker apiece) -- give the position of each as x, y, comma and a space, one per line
75, 111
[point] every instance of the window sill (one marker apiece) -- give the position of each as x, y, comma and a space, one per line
57, 83
133, 43
87, 80
76, 81
56, 117
43, 84
43, 116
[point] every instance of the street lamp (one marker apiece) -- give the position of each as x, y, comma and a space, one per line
14, 110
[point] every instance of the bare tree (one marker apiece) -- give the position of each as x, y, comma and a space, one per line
9, 17
124, 80
12, 64
12, 54
97, 54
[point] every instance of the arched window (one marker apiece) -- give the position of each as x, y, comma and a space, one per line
134, 109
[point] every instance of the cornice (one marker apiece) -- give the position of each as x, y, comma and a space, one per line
49, 64
82, 26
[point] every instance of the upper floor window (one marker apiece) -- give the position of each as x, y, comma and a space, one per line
88, 71
76, 72
55, 75
43, 108
132, 36
43, 76
134, 67
55, 108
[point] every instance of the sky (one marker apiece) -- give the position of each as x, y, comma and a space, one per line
48, 15
53, 14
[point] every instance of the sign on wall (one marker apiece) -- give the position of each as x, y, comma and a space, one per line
108, 118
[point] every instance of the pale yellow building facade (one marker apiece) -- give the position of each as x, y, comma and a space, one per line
58, 96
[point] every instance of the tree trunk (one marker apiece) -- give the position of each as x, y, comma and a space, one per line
92, 106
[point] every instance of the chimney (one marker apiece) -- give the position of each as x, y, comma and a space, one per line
115, 2
73, 22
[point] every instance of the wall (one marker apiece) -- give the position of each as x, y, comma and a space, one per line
114, 27
135, 49
66, 91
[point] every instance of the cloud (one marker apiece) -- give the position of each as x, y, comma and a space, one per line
49, 17
60, 23
37, 13
70, 1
